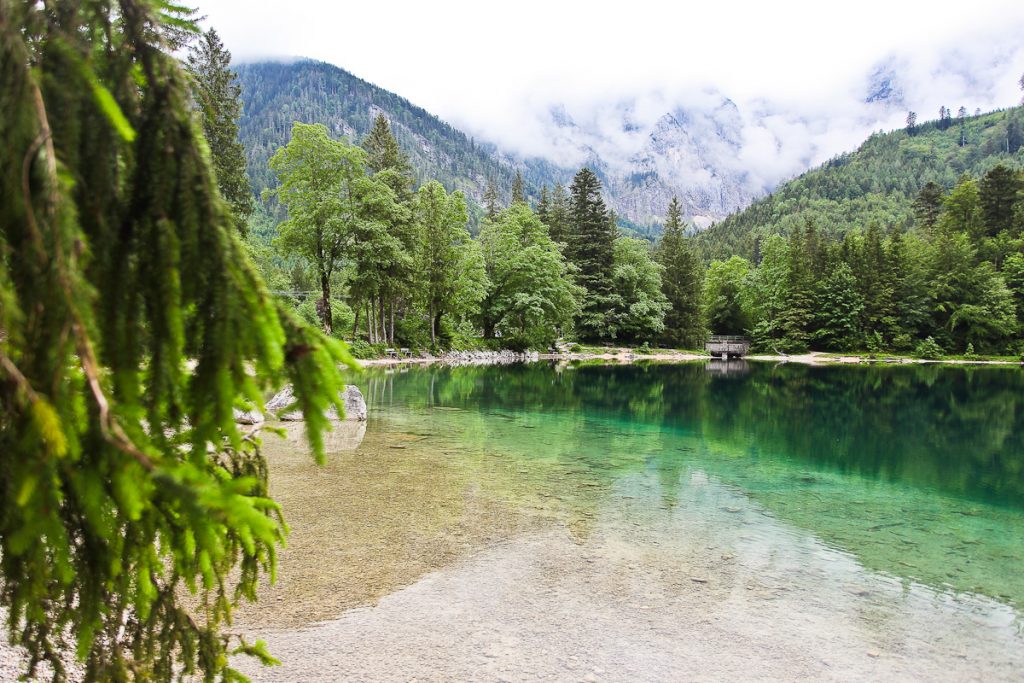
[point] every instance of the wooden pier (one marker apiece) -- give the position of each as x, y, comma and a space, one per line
727, 346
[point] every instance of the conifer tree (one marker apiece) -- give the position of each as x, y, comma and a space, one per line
682, 282
796, 315
131, 325
591, 248
384, 154
491, 199
911, 123
518, 194
998, 192
217, 93
559, 217
928, 205
544, 206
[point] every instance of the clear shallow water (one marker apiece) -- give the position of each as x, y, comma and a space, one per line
831, 522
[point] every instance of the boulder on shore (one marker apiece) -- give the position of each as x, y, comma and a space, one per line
248, 417
352, 399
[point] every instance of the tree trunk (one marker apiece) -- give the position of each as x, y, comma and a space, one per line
436, 324
392, 321
371, 326
355, 325
325, 304
383, 322
433, 327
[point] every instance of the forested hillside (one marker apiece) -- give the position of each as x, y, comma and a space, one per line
876, 183
275, 95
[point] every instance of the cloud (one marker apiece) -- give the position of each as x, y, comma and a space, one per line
798, 72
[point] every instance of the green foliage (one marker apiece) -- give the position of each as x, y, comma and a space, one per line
336, 212
451, 266
877, 183
342, 316
838, 313
682, 283
132, 325
638, 305
216, 92
275, 95
725, 308
531, 297
590, 247
928, 349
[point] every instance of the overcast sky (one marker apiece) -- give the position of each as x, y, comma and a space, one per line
493, 68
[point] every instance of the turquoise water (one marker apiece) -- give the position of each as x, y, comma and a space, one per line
916, 472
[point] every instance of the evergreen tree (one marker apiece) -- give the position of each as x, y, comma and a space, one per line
682, 283
384, 154
928, 205
796, 315
544, 206
911, 123
491, 199
911, 305
837, 317
591, 247
874, 278
132, 324
945, 118
998, 193
559, 219
217, 94
518, 194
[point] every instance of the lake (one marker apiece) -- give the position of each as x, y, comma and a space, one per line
657, 522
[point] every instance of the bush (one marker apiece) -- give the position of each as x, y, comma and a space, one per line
969, 353
929, 350
644, 349
363, 350
875, 343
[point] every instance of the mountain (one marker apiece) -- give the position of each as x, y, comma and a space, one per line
690, 152
877, 182
693, 153
275, 94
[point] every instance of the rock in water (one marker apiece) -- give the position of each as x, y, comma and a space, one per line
282, 400
355, 406
352, 399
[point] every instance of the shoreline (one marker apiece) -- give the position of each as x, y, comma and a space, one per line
625, 355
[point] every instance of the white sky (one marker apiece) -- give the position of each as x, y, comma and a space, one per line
493, 68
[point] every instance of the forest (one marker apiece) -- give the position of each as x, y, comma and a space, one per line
862, 255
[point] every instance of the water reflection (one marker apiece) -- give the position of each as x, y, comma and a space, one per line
730, 367
918, 471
